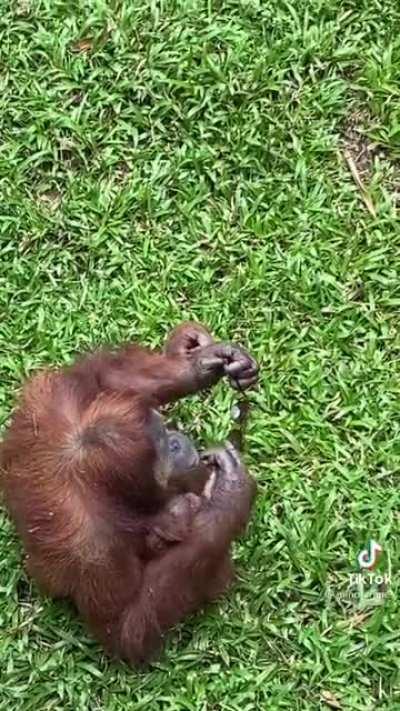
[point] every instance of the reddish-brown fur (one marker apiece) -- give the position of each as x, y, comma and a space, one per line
77, 467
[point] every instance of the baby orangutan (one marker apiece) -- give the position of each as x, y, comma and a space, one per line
115, 511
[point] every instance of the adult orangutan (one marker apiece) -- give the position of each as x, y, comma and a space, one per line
115, 511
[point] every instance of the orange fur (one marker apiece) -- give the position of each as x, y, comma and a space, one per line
78, 478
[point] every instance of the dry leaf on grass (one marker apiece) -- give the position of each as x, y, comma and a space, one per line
50, 198
356, 620
84, 45
331, 700
357, 179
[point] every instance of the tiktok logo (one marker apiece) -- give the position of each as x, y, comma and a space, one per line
368, 558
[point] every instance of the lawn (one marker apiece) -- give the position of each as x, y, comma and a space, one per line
236, 163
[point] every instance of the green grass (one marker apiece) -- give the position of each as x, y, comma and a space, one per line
187, 161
